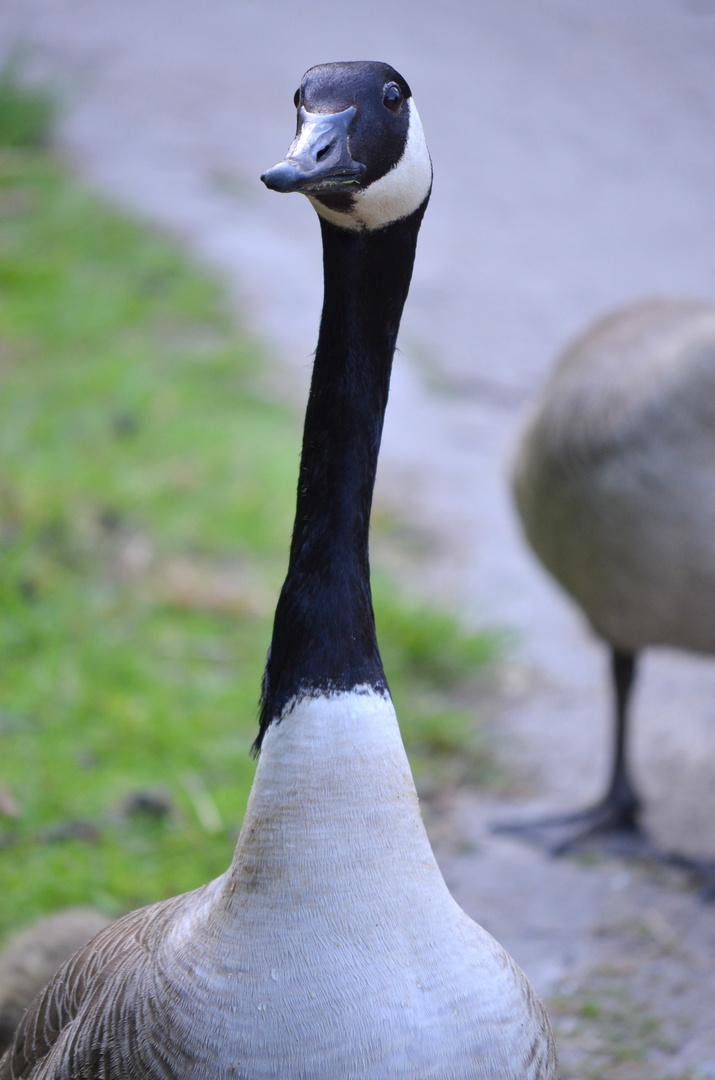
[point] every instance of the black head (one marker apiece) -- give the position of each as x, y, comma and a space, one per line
359, 151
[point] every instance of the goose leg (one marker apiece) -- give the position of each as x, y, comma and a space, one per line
621, 798
616, 814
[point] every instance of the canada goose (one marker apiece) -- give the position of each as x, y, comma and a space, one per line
614, 481
32, 955
331, 947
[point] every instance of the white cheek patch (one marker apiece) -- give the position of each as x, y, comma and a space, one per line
395, 195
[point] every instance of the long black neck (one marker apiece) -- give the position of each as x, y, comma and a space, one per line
324, 630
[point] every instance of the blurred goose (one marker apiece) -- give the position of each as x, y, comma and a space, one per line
32, 955
615, 484
331, 947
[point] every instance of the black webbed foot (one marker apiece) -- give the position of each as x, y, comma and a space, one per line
614, 829
613, 822
702, 872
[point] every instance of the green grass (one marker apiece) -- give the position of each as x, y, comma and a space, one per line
146, 500
27, 113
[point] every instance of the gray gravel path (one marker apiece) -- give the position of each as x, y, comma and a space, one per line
574, 153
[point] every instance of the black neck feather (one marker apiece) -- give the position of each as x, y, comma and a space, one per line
324, 630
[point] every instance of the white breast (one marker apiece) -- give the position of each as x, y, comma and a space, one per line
354, 959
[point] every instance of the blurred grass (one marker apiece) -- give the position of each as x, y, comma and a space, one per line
146, 501
27, 113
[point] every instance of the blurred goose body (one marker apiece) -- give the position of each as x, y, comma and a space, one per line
32, 955
614, 481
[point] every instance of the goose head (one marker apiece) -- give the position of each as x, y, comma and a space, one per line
359, 153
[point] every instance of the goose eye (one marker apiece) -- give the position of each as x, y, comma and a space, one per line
296, 98
393, 97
